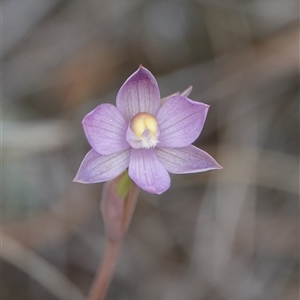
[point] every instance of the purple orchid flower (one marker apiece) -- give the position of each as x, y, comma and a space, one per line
149, 138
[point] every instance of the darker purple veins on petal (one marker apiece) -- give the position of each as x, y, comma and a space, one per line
139, 93
105, 129
180, 121
98, 168
148, 136
146, 170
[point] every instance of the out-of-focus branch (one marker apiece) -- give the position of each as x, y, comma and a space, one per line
39, 269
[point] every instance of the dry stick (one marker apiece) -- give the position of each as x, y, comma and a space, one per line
112, 250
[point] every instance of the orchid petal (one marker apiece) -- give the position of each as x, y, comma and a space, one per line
139, 93
98, 168
105, 129
188, 159
180, 121
186, 92
147, 171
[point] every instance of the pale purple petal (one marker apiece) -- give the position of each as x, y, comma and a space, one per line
105, 129
98, 168
139, 93
186, 92
188, 159
180, 121
147, 171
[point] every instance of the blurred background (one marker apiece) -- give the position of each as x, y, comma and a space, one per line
223, 235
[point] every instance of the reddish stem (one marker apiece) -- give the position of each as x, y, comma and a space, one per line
112, 250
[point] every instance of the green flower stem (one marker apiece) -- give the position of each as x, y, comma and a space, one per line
113, 247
